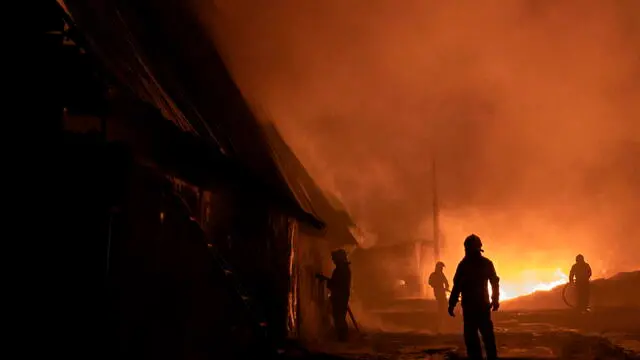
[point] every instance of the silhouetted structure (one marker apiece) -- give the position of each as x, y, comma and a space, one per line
470, 281
183, 235
386, 273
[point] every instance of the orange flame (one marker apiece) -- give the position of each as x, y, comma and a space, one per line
531, 283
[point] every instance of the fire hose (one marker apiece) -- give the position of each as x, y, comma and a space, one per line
564, 296
349, 312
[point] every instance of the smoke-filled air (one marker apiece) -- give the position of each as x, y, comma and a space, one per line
529, 109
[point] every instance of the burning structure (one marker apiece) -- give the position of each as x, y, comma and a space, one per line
393, 271
190, 229
399, 269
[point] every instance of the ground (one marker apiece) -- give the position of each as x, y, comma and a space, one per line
602, 334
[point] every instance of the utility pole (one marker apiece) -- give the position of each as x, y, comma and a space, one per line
436, 210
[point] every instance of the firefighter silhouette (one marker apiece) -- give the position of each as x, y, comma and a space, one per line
579, 276
340, 286
440, 285
470, 281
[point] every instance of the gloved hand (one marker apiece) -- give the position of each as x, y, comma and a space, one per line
495, 305
450, 310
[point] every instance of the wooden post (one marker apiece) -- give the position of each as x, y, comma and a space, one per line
436, 210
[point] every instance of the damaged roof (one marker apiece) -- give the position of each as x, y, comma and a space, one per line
307, 192
159, 51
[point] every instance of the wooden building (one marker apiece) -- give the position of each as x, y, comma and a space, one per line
191, 230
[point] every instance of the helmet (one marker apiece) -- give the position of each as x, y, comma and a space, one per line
473, 242
439, 265
579, 258
339, 255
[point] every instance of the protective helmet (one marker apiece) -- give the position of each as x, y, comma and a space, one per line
339, 255
579, 258
439, 265
473, 242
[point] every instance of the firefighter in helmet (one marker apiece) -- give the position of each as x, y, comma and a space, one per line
440, 285
470, 281
579, 276
340, 286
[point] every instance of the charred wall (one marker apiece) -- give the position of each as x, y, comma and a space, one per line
310, 257
134, 283
139, 269
138, 278
168, 298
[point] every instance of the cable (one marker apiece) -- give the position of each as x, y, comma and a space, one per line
564, 296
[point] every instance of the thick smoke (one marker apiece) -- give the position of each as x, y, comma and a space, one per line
531, 110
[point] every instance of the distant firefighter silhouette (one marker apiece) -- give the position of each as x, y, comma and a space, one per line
340, 286
579, 276
440, 285
470, 281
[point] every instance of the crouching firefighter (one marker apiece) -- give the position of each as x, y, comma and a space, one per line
470, 281
340, 287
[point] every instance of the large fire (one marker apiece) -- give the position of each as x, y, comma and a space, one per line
530, 282
514, 284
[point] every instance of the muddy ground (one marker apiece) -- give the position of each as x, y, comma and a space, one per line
560, 334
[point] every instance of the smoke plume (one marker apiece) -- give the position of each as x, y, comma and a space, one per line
530, 109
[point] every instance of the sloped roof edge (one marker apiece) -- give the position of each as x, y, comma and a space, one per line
307, 192
192, 88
